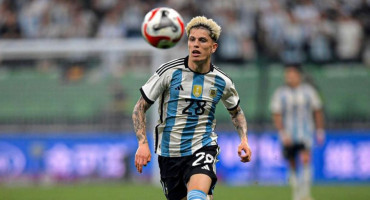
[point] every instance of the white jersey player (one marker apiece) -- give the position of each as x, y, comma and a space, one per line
188, 90
297, 114
187, 103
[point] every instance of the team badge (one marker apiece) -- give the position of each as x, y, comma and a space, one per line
213, 92
197, 90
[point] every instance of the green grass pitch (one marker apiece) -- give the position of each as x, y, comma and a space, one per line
126, 191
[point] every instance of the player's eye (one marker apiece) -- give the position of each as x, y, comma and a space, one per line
203, 40
192, 39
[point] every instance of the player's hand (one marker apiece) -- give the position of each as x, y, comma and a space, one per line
142, 157
247, 156
320, 136
286, 140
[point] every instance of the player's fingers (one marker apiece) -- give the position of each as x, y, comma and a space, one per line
145, 161
247, 156
239, 150
249, 153
139, 164
136, 160
139, 168
244, 157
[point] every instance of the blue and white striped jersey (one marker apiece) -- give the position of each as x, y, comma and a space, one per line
187, 104
296, 105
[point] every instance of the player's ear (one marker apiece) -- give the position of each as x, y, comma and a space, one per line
214, 47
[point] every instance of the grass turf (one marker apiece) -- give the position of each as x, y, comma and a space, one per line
144, 192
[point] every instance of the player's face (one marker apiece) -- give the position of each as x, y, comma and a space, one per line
292, 77
200, 44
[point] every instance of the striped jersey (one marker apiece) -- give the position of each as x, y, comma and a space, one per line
187, 105
296, 105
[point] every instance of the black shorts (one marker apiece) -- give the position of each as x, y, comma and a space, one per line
176, 171
291, 152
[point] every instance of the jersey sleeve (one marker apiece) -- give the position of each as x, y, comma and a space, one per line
275, 104
153, 88
230, 98
316, 101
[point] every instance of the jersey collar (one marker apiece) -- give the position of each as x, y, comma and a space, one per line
187, 66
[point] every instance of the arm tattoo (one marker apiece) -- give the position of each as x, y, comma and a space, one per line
139, 120
238, 119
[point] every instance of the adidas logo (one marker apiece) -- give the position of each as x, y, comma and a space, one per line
206, 167
179, 88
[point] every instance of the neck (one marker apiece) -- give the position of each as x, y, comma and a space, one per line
200, 66
294, 85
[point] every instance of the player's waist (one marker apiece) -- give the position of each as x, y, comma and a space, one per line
184, 149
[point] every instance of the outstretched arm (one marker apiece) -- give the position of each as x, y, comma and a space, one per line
319, 122
240, 123
143, 155
278, 122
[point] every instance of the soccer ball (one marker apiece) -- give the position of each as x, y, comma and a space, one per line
162, 27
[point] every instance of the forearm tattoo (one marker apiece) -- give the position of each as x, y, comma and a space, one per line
239, 121
139, 120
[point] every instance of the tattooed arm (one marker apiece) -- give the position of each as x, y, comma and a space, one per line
143, 155
238, 119
139, 119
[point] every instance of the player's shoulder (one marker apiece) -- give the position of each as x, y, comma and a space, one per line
307, 87
172, 64
222, 75
282, 89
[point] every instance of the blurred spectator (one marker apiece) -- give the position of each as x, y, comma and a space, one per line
102, 6
81, 22
234, 39
133, 17
60, 11
362, 13
288, 30
307, 15
111, 26
321, 41
30, 17
293, 41
47, 28
274, 22
10, 28
349, 38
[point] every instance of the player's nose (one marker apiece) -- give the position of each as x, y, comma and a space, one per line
196, 44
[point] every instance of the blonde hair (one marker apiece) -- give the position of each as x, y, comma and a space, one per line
209, 24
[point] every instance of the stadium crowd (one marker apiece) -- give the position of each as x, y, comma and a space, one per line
318, 31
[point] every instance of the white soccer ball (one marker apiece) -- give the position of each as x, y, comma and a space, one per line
162, 27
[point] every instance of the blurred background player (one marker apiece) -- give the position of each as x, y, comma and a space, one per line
189, 89
297, 115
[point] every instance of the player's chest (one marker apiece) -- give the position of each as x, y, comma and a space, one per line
297, 98
196, 87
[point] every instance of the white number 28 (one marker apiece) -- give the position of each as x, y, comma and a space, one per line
201, 155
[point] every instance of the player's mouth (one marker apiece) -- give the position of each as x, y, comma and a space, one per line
195, 53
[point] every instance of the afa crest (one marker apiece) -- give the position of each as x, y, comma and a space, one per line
197, 90
213, 92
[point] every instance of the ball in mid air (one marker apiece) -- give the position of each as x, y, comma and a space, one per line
162, 27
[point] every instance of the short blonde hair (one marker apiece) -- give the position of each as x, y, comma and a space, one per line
209, 24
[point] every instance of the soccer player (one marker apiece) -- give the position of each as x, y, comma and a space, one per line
188, 90
297, 115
